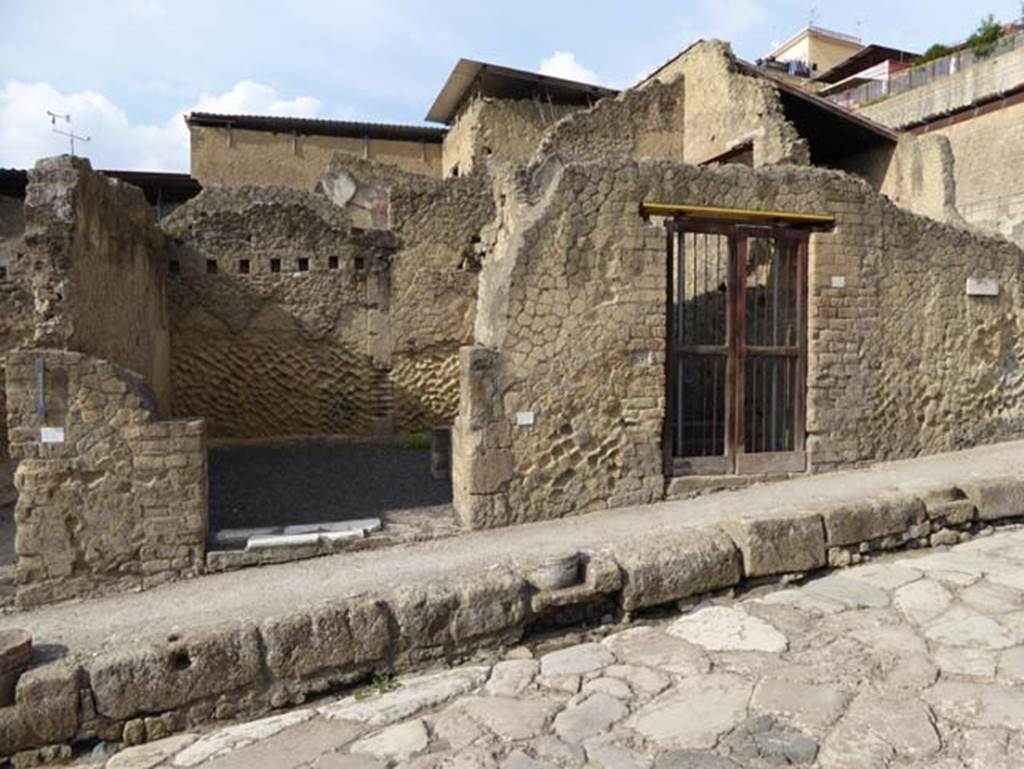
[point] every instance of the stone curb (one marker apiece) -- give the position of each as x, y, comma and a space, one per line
149, 691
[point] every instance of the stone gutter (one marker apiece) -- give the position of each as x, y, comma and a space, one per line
145, 689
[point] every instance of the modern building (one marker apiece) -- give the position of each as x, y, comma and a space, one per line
814, 50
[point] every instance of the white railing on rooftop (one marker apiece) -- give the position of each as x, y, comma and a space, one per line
923, 74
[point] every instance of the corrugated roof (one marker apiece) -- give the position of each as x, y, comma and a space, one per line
319, 127
470, 77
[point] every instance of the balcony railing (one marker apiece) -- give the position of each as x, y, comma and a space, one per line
922, 74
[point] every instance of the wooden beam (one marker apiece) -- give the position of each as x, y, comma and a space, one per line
737, 215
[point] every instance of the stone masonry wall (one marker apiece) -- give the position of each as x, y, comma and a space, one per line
119, 501
15, 318
986, 148
276, 315
639, 123
94, 263
724, 108
365, 341
507, 130
988, 153
570, 335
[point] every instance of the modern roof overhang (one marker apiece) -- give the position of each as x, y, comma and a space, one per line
471, 78
738, 215
832, 132
317, 127
158, 186
866, 57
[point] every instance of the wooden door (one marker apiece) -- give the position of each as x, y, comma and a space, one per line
736, 349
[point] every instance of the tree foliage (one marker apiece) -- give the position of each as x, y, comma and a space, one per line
935, 51
983, 42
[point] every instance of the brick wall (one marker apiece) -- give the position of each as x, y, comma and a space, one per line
118, 501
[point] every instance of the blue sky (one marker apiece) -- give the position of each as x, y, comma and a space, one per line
128, 69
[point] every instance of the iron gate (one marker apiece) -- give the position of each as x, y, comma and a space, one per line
737, 347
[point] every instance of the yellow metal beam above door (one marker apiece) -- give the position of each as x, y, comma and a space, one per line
737, 215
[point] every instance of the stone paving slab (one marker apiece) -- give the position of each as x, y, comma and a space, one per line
754, 684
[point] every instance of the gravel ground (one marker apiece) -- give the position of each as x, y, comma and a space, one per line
313, 481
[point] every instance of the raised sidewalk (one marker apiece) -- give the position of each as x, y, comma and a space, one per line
139, 666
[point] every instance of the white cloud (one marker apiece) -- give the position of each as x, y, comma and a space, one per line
729, 19
117, 141
563, 64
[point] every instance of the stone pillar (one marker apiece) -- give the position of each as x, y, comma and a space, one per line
482, 465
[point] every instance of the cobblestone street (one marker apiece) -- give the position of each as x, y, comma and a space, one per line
914, 662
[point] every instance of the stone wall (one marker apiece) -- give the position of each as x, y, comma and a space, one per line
94, 264
986, 147
725, 108
507, 130
115, 501
988, 153
276, 314
15, 319
363, 341
108, 498
240, 157
916, 174
563, 393
639, 123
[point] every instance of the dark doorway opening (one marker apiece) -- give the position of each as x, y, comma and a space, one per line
290, 487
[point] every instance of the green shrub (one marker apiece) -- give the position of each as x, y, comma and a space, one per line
983, 42
935, 51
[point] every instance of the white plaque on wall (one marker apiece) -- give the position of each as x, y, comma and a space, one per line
982, 287
524, 418
51, 434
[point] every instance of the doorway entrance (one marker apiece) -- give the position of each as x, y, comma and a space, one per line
737, 348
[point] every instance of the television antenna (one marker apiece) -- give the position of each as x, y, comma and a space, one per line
54, 117
812, 16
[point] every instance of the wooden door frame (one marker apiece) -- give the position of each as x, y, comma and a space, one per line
733, 460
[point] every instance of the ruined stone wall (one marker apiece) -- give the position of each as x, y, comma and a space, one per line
15, 319
118, 501
949, 374
916, 174
276, 315
563, 393
95, 264
725, 109
987, 148
507, 130
242, 157
364, 341
644, 123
